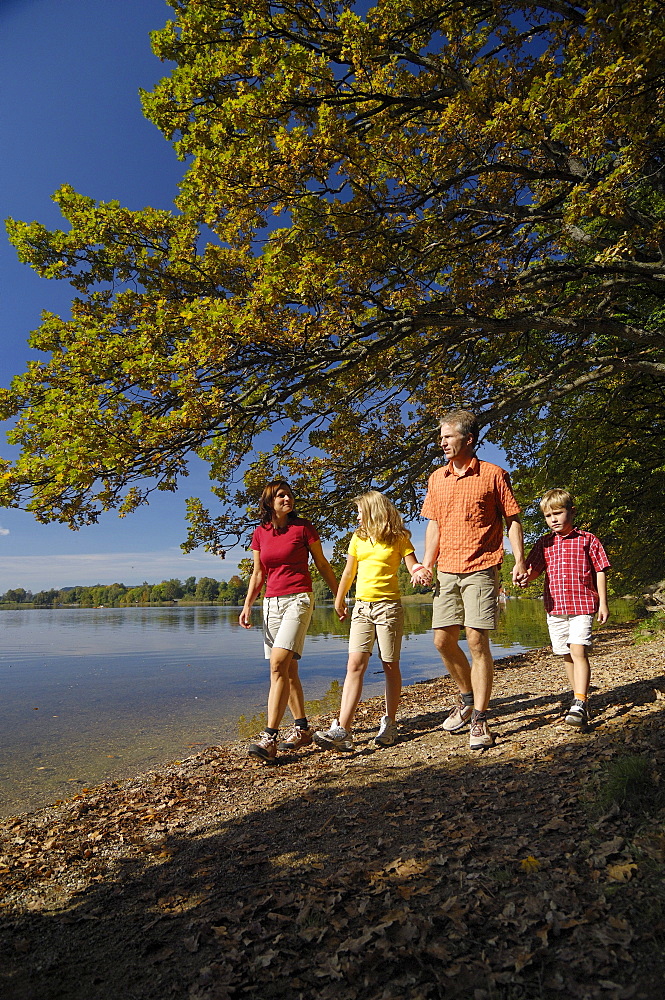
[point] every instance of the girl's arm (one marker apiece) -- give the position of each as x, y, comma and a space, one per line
412, 563
255, 584
601, 585
323, 566
346, 579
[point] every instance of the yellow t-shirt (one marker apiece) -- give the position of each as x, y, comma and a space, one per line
377, 567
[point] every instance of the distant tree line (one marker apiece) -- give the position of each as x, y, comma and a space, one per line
117, 595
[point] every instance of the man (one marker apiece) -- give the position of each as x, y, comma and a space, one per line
466, 503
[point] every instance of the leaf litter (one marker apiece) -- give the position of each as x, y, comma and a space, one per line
418, 871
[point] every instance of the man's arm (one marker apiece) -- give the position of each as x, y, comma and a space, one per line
516, 538
424, 575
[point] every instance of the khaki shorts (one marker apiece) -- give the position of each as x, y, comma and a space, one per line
381, 621
468, 599
565, 629
285, 622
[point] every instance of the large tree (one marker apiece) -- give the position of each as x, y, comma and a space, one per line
385, 211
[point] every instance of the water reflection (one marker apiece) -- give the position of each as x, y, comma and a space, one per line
96, 693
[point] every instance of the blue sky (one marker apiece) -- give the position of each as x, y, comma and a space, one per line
70, 113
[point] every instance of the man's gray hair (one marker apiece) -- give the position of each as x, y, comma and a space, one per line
465, 421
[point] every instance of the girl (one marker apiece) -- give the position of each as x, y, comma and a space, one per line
375, 552
282, 545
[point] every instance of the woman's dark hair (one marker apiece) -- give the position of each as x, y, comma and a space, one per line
267, 500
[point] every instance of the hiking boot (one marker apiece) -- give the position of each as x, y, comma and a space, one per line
265, 747
387, 734
578, 714
296, 739
334, 738
458, 717
480, 737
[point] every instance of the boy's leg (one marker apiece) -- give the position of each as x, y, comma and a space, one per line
581, 671
570, 670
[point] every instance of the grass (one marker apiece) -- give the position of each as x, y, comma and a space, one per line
650, 628
629, 783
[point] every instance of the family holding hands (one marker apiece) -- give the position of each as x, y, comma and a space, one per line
467, 502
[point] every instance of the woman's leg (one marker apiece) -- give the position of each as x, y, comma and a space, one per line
353, 688
280, 685
296, 696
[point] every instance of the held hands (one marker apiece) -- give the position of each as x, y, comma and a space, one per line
421, 576
520, 574
341, 609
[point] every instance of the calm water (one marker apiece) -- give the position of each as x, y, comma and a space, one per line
103, 693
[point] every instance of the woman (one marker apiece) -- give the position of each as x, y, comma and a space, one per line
282, 545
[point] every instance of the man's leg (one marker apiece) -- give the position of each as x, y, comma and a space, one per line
482, 667
446, 641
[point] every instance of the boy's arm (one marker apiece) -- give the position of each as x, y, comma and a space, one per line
345, 581
534, 565
603, 608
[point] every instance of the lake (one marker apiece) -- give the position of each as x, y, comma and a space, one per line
96, 694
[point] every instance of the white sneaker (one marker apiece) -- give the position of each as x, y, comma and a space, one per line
334, 738
388, 733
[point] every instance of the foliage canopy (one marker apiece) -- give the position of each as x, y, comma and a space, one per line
385, 212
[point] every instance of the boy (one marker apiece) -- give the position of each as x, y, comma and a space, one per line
575, 568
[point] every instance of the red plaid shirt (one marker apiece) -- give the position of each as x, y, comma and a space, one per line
570, 562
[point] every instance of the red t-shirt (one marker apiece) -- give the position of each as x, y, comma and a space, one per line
285, 556
570, 562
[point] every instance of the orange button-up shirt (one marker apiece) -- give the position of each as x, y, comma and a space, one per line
469, 510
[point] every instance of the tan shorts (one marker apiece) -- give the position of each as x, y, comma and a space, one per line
466, 599
381, 621
285, 622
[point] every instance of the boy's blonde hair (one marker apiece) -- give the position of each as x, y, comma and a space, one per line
381, 521
556, 499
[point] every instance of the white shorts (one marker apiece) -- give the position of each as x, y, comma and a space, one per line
285, 622
567, 629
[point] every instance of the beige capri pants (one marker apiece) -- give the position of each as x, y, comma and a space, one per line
285, 622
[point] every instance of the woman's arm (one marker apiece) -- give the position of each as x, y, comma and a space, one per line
346, 579
255, 584
323, 566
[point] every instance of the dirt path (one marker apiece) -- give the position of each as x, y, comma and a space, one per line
414, 872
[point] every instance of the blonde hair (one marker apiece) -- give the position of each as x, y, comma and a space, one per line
557, 499
381, 521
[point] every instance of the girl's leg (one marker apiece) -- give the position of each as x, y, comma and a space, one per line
280, 685
393, 688
353, 688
